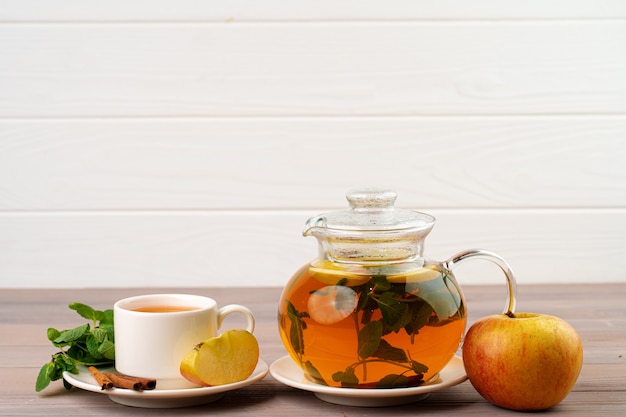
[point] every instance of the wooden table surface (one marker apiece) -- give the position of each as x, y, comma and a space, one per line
598, 312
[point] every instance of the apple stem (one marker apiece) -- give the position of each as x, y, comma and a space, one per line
510, 314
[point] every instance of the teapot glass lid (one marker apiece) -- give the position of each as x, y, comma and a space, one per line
371, 210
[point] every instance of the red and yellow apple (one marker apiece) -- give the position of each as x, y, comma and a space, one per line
525, 361
227, 358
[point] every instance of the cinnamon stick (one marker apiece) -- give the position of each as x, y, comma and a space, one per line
131, 382
103, 380
146, 383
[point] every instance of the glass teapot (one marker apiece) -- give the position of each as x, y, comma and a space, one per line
370, 311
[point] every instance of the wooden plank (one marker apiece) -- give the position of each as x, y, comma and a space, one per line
50, 305
274, 163
342, 68
598, 391
251, 248
598, 357
306, 10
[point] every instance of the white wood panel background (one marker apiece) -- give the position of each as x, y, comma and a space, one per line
160, 143
313, 69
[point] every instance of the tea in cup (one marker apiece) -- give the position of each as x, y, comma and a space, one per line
153, 333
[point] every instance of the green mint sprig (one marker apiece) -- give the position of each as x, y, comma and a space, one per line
91, 344
399, 312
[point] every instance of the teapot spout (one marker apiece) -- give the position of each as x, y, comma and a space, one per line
313, 225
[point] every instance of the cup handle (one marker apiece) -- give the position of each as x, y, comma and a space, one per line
236, 308
509, 308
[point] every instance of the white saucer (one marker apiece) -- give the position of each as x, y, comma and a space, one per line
286, 371
162, 398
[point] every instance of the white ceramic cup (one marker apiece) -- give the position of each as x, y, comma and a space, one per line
152, 344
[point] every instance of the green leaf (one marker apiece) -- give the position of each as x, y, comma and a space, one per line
107, 350
390, 307
87, 345
58, 366
78, 353
393, 381
419, 368
43, 378
380, 283
109, 329
86, 311
92, 347
72, 334
81, 355
314, 373
421, 312
369, 338
387, 352
63, 362
291, 309
366, 304
99, 335
107, 317
347, 378
404, 319
52, 334
296, 336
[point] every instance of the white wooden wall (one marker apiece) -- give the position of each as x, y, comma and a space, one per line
185, 142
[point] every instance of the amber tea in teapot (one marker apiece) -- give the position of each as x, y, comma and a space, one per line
375, 329
370, 311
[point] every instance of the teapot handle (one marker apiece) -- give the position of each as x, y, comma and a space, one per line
509, 308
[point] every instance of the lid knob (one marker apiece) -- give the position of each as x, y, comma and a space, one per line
369, 198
